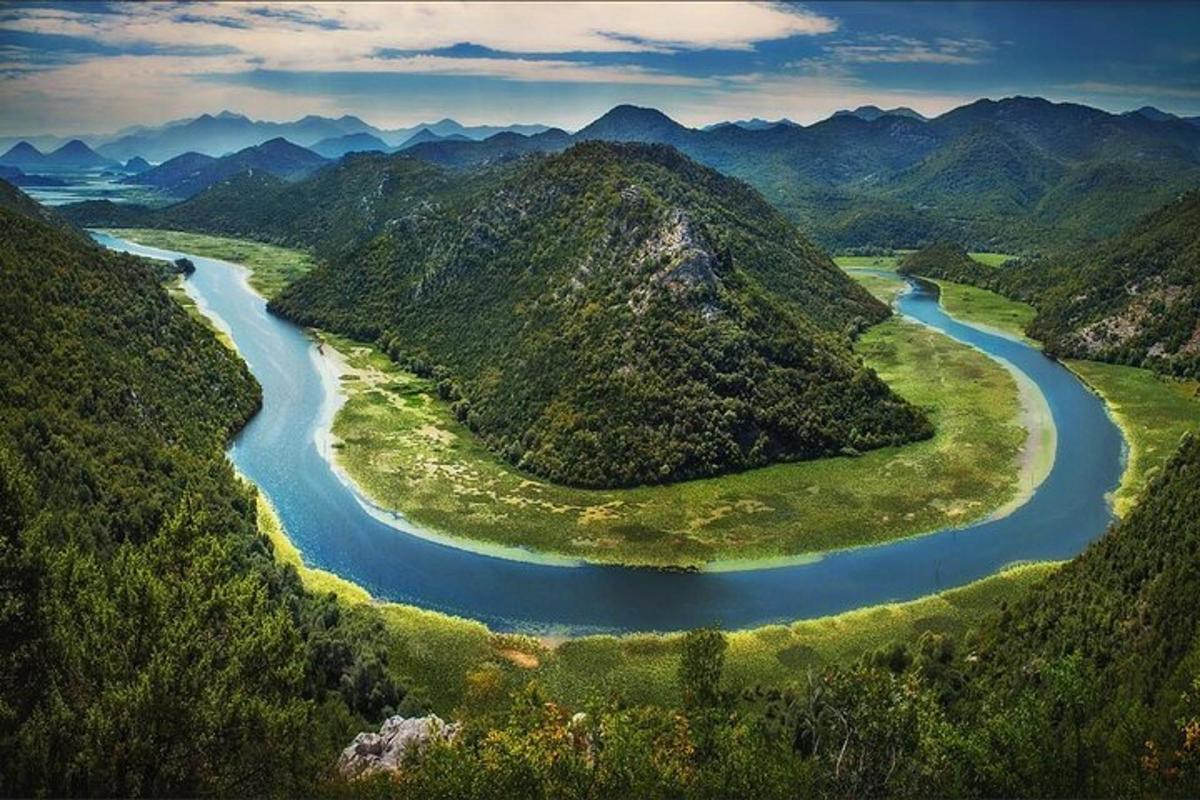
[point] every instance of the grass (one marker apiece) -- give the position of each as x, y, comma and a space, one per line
988, 309
870, 262
992, 259
464, 667
405, 449
1153, 411
271, 267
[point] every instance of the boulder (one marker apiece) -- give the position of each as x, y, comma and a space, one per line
398, 738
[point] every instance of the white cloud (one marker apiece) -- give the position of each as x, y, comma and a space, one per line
285, 34
892, 49
1134, 89
348, 37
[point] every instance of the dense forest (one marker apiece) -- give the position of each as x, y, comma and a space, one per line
608, 316
149, 643
120, 521
1133, 299
1016, 175
1087, 686
617, 315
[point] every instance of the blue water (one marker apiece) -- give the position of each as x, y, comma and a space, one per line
326, 521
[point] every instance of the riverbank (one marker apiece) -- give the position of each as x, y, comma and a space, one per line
453, 657
270, 267
1036, 457
400, 450
1152, 410
403, 448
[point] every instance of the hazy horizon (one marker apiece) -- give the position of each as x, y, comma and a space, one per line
96, 68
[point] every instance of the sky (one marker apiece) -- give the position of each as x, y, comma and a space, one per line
69, 68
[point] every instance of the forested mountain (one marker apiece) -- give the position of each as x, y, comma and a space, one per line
617, 315
1018, 174
500, 147
337, 146
149, 643
185, 175
1133, 299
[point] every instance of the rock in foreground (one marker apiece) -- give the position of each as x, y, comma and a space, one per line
385, 751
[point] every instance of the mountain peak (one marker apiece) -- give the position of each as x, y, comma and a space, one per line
1152, 113
631, 123
23, 148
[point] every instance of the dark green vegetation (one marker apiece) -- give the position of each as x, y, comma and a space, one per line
1085, 686
1018, 175
189, 173
149, 643
618, 315
1021, 174
1133, 299
685, 329
120, 523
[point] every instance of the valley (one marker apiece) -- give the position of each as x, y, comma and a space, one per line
680, 401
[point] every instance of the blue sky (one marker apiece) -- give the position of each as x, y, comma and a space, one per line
96, 67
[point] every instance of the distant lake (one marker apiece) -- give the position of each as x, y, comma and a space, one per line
81, 186
330, 524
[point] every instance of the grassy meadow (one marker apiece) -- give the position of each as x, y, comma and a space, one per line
462, 665
987, 309
271, 267
1154, 411
404, 447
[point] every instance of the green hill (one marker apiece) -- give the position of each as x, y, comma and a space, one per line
149, 644
1132, 299
615, 315
984, 171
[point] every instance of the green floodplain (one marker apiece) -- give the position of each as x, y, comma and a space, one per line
463, 663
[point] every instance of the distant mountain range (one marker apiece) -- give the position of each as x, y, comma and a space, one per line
226, 132
1150, 112
1016, 174
872, 113
755, 124
1019, 174
72, 156
187, 174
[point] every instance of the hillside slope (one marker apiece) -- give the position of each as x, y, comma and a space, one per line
149, 643
1132, 299
189, 173
618, 314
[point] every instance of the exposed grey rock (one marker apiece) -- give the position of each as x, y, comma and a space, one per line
398, 737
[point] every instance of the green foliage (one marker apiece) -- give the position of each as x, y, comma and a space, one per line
1133, 299
700, 665
151, 645
619, 315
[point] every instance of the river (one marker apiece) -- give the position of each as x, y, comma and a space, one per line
327, 520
